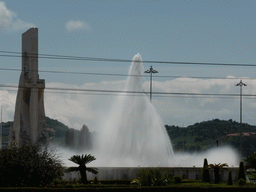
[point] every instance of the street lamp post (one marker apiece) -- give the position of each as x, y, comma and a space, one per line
151, 71
241, 84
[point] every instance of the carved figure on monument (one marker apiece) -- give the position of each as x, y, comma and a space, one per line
29, 126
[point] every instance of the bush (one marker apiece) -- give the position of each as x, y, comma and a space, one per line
155, 177
241, 174
241, 181
205, 173
135, 182
229, 181
177, 179
29, 165
95, 181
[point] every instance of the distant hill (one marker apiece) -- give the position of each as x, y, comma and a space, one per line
197, 137
201, 136
59, 128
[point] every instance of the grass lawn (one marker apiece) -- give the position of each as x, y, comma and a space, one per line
186, 184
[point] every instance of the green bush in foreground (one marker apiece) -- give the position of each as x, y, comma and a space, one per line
29, 165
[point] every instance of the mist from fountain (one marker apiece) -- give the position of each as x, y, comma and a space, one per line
134, 133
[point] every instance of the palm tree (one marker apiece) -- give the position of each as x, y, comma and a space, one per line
216, 168
82, 160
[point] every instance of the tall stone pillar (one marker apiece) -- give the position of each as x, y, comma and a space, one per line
29, 126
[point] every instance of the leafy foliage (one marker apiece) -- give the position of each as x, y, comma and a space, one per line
29, 165
82, 160
79, 139
153, 177
59, 128
203, 135
251, 160
241, 181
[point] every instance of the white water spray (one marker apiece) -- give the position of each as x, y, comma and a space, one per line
134, 133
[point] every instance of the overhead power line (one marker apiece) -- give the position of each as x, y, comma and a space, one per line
126, 75
65, 57
137, 95
135, 92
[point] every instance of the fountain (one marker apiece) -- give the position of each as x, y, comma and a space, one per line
134, 134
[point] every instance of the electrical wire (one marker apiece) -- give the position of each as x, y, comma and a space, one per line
127, 75
50, 56
133, 92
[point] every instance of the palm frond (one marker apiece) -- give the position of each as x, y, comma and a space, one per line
92, 170
219, 165
75, 159
82, 159
72, 169
88, 158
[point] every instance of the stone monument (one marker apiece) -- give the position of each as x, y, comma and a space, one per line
29, 126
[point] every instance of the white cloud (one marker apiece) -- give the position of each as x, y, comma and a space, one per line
90, 108
77, 25
9, 20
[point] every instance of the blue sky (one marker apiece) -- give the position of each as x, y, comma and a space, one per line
189, 31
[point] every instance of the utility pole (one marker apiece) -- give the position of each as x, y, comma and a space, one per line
151, 71
241, 84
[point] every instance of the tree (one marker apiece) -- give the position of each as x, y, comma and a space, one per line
205, 173
82, 160
241, 174
29, 165
216, 169
70, 138
229, 181
84, 138
251, 160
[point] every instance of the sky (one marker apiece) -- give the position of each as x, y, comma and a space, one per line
193, 31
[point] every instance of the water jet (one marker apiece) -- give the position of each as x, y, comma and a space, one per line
133, 136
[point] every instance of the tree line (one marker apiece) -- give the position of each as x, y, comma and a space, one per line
207, 134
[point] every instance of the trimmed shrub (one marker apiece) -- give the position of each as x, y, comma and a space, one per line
95, 181
177, 179
241, 174
241, 181
229, 181
205, 173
